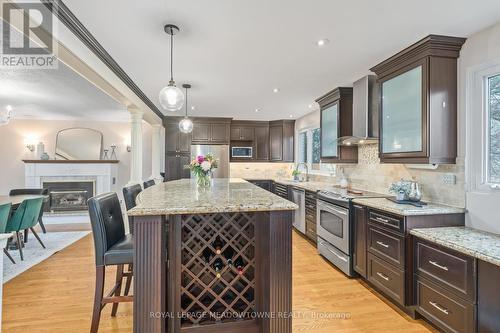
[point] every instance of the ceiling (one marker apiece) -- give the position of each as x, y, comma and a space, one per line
235, 52
56, 94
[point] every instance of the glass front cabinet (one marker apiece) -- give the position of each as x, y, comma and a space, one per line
418, 117
336, 122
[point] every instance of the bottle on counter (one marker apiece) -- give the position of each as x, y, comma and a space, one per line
218, 244
218, 266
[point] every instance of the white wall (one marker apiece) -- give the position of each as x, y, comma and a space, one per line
13, 150
480, 48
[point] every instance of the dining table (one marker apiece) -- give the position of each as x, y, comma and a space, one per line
16, 200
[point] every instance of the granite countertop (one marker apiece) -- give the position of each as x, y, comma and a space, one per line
408, 210
476, 243
225, 195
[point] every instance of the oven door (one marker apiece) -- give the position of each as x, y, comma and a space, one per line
333, 225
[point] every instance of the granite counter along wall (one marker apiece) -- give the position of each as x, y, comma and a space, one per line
370, 175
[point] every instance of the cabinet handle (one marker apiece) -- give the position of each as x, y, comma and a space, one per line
381, 220
440, 308
383, 276
444, 268
341, 258
383, 244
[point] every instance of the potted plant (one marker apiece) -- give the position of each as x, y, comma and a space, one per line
202, 167
296, 175
401, 189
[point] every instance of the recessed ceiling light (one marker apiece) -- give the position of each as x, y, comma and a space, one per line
192, 107
9, 108
291, 116
275, 90
310, 106
323, 42
257, 110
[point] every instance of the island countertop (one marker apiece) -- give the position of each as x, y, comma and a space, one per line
225, 195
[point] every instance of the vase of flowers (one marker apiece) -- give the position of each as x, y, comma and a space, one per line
202, 167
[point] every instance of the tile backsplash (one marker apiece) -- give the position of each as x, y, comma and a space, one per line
370, 174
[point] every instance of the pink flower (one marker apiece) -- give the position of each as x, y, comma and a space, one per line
200, 159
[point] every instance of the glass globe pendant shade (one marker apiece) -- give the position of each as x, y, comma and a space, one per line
171, 98
186, 125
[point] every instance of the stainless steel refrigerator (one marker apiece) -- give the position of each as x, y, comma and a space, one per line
220, 152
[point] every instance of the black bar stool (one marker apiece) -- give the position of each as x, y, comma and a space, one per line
148, 183
112, 248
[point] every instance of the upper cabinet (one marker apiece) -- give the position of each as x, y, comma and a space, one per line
336, 122
211, 131
255, 134
418, 117
175, 140
281, 140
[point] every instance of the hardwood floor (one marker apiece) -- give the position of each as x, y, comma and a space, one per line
56, 297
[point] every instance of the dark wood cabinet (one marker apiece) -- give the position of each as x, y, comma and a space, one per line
211, 131
418, 116
276, 143
261, 143
281, 140
360, 229
177, 150
242, 133
175, 140
253, 134
336, 122
383, 251
262, 183
175, 166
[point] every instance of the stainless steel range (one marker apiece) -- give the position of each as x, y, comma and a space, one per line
334, 225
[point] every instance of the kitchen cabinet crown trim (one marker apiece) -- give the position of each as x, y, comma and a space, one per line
432, 45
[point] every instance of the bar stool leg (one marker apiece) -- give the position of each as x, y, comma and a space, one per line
99, 290
119, 279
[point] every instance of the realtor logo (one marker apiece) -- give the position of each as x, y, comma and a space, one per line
27, 35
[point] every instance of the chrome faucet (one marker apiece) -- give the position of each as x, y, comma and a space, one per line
307, 169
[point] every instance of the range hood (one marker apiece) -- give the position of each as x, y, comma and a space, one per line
365, 113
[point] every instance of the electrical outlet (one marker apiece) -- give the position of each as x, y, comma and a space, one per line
449, 179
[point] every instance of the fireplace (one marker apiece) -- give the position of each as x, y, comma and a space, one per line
69, 196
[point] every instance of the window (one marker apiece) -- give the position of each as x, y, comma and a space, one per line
493, 139
309, 152
483, 128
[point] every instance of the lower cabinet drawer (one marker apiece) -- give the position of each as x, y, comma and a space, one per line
445, 311
386, 245
388, 278
447, 268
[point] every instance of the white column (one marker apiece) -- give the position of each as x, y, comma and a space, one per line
156, 153
136, 144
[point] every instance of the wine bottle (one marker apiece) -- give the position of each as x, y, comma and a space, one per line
240, 265
218, 244
228, 254
207, 254
218, 266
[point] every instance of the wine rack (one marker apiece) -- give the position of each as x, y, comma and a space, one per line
205, 298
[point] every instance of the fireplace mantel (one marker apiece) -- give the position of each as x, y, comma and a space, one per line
103, 172
72, 161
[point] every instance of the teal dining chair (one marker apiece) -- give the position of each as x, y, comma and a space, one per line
25, 217
4, 218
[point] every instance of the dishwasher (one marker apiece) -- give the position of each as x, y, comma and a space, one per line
299, 215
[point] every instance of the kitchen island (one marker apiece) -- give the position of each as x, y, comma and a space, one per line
214, 259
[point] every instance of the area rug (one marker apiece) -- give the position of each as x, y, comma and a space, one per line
34, 253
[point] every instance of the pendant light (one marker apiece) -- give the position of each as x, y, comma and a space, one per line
186, 124
171, 97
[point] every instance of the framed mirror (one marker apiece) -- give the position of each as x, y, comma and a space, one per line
78, 144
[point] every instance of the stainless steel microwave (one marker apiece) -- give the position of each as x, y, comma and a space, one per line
241, 152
